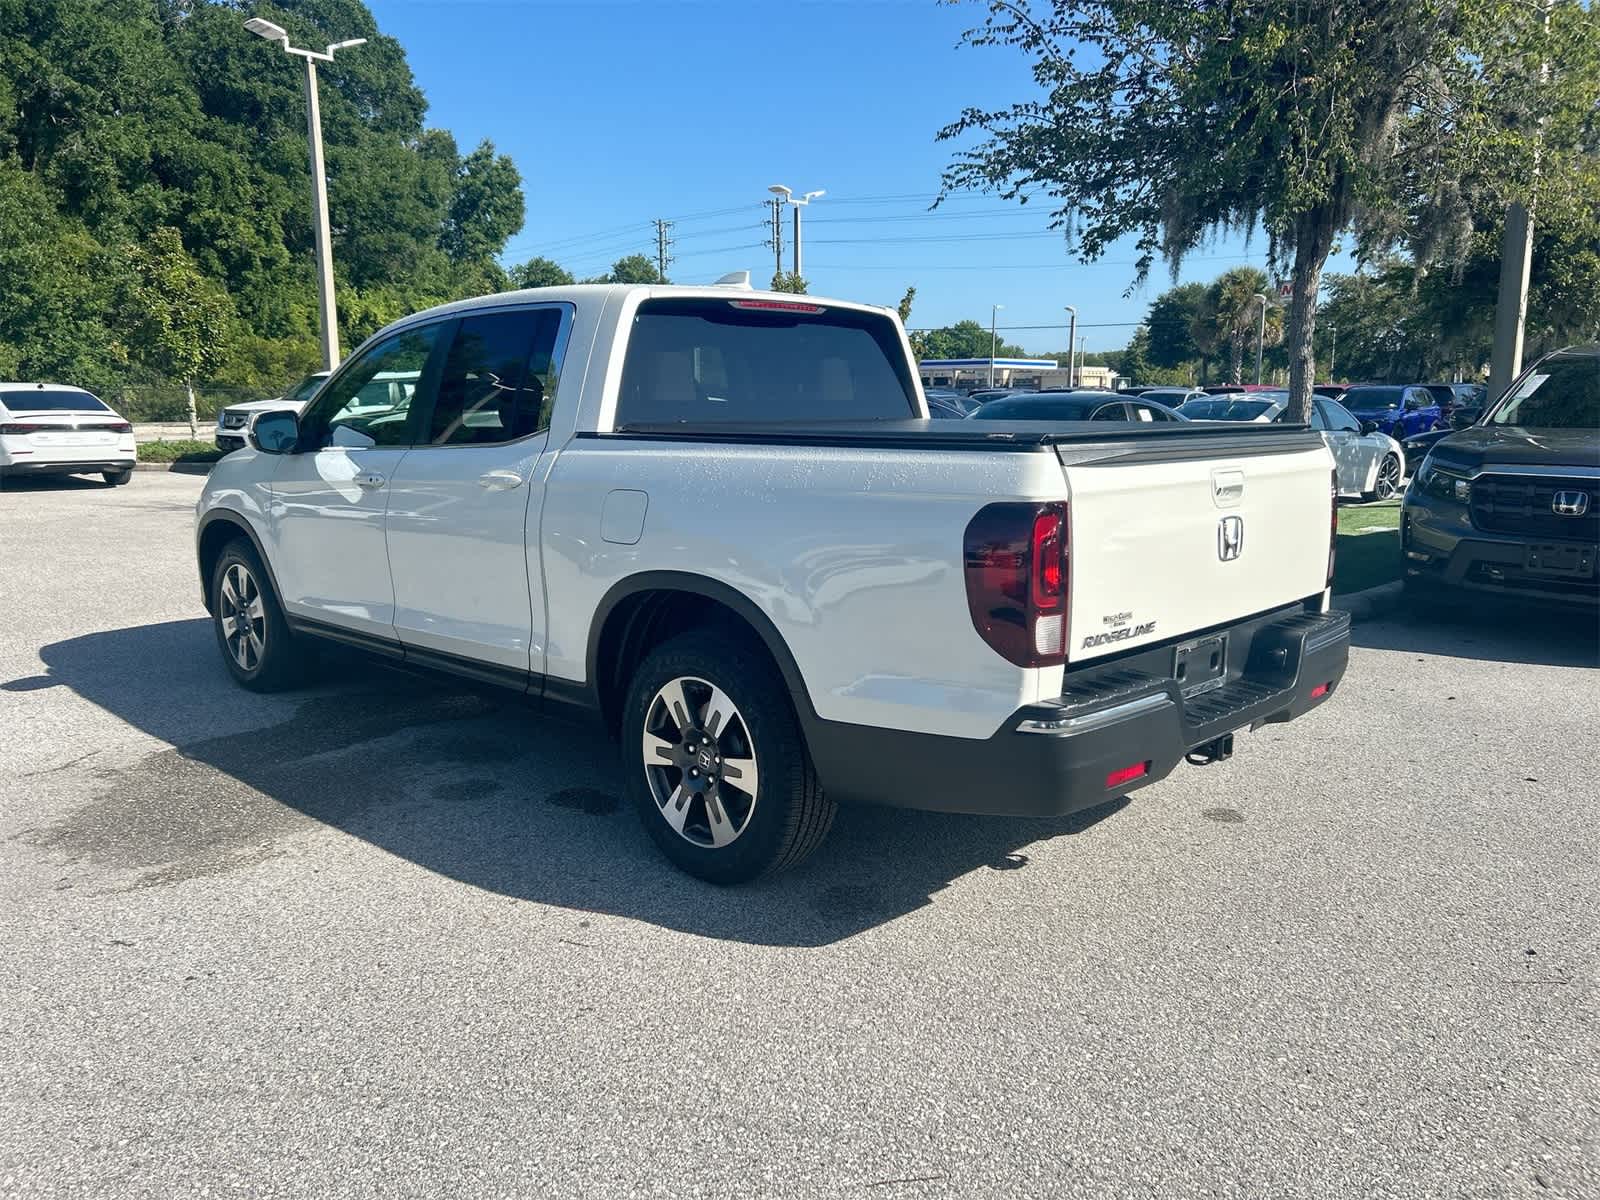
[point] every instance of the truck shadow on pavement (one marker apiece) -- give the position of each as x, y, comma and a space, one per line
1495, 632
479, 788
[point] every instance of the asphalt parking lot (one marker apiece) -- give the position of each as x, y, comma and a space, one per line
387, 936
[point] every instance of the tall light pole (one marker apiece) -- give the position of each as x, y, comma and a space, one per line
319, 182
994, 344
1261, 335
786, 196
1072, 338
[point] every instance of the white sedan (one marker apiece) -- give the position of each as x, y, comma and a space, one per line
50, 429
1370, 464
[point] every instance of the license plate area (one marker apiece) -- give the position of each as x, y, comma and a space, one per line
1200, 665
1566, 560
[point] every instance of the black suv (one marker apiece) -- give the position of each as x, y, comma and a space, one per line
1511, 504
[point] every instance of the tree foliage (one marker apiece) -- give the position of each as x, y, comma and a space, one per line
1170, 122
120, 119
539, 272
966, 339
788, 281
635, 268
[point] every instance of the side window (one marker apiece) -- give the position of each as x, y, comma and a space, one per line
1319, 415
498, 381
1110, 412
1339, 417
369, 402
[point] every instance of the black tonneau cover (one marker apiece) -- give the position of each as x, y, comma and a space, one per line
1158, 439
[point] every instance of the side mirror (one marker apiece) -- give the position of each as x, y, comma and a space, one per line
1463, 418
275, 432
1369, 427
1412, 404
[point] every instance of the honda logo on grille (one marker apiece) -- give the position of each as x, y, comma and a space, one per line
1230, 538
1570, 504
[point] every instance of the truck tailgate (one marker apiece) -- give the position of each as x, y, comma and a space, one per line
1167, 542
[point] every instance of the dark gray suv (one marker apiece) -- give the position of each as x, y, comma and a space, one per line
1511, 504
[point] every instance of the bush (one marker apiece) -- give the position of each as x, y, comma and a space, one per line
171, 452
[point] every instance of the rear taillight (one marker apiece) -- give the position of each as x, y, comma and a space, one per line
1333, 523
120, 427
1017, 567
15, 430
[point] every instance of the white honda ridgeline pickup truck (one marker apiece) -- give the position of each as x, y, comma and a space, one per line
720, 520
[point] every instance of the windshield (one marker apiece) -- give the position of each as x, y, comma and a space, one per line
1225, 410
306, 388
1562, 392
51, 400
1036, 408
762, 361
1372, 397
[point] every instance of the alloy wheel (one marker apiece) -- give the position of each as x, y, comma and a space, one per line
243, 616
700, 762
1388, 477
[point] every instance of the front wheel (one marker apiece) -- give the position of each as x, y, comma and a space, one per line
716, 760
1388, 482
256, 643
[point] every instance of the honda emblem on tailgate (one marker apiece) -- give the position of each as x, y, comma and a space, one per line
1570, 504
1230, 538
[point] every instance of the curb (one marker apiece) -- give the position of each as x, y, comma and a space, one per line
1372, 603
181, 468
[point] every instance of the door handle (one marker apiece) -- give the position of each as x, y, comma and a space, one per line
370, 480
499, 481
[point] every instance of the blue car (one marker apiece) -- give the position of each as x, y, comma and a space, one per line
1400, 410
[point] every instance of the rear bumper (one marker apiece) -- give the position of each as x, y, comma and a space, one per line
68, 467
1056, 758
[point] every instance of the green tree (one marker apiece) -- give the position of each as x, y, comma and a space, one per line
635, 268
539, 272
966, 339
1170, 122
178, 321
1169, 323
1229, 316
486, 206
788, 281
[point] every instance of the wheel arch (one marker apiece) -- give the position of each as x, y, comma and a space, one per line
217, 528
643, 610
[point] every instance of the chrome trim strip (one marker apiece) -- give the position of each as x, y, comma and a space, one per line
1511, 472
1154, 702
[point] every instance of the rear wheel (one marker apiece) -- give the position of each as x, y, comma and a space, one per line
716, 760
256, 643
117, 478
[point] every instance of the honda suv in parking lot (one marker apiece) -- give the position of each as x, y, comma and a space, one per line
1509, 505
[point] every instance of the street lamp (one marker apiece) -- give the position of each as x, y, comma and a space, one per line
319, 182
1072, 338
993, 344
785, 196
1261, 335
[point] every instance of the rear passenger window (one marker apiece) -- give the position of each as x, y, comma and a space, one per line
1110, 412
498, 381
738, 360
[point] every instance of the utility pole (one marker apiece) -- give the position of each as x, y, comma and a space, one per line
1261, 335
1516, 266
786, 196
776, 204
1333, 349
994, 343
328, 316
663, 244
1082, 342
1072, 340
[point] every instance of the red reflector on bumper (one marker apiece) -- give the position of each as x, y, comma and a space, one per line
1322, 689
1127, 774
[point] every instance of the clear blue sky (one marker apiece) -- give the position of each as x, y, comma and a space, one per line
617, 113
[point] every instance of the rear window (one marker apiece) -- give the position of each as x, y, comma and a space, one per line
699, 361
51, 400
1036, 408
1225, 410
1371, 397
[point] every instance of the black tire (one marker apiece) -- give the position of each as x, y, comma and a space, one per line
276, 659
788, 815
118, 478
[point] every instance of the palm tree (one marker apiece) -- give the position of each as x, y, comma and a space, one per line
1229, 316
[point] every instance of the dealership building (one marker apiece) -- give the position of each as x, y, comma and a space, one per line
970, 374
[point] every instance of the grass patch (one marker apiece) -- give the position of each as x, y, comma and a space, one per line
176, 452
1369, 546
